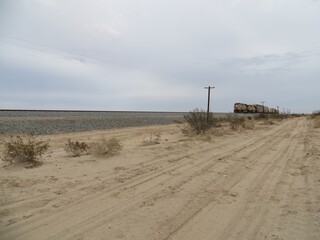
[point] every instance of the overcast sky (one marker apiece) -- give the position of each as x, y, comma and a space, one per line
153, 55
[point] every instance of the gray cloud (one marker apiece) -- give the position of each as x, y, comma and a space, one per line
143, 55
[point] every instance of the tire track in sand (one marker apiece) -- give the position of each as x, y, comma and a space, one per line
48, 223
246, 215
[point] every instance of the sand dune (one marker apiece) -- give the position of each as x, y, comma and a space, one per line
254, 184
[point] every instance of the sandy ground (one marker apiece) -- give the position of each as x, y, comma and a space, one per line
252, 184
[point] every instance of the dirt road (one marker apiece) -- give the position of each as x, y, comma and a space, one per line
254, 184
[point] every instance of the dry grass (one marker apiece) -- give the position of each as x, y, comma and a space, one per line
155, 138
317, 122
268, 122
104, 147
235, 122
248, 124
218, 132
206, 137
188, 130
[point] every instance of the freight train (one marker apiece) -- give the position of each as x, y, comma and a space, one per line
253, 108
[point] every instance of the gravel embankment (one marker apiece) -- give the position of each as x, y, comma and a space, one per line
42, 122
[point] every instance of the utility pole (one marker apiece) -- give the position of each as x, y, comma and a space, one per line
208, 109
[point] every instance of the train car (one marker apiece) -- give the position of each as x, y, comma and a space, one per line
253, 108
259, 108
240, 108
272, 110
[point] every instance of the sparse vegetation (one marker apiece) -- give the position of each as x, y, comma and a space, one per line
155, 138
188, 130
317, 122
235, 121
197, 119
315, 114
104, 147
24, 150
76, 148
268, 122
248, 123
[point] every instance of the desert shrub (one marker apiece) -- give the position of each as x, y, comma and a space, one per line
24, 150
155, 138
248, 124
268, 122
315, 114
105, 147
235, 121
317, 122
188, 130
76, 148
206, 137
197, 119
218, 132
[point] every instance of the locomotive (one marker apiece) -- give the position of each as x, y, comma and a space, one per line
253, 108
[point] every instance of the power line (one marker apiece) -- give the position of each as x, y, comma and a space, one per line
75, 55
33, 44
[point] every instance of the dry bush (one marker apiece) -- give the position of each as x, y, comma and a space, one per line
317, 122
315, 114
199, 121
104, 147
24, 150
235, 121
206, 137
218, 122
155, 138
268, 122
76, 148
218, 132
188, 130
248, 124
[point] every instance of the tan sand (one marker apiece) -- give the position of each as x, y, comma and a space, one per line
252, 184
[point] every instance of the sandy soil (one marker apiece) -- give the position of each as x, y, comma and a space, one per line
253, 184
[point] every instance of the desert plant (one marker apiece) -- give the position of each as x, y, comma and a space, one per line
248, 124
199, 120
188, 130
76, 148
24, 150
105, 147
155, 138
317, 122
235, 121
315, 114
268, 121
